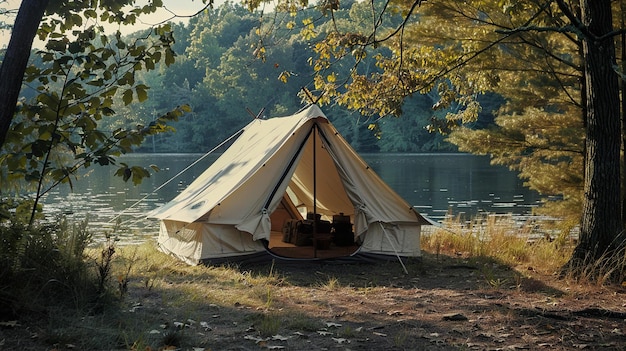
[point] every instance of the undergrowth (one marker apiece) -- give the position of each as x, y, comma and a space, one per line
45, 265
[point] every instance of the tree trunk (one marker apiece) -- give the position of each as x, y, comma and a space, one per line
623, 109
601, 223
16, 58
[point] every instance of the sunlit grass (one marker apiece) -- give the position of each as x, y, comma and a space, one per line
154, 301
499, 237
332, 284
222, 285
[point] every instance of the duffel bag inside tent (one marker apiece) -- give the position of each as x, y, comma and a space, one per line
293, 188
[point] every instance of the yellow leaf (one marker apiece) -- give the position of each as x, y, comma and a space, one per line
284, 76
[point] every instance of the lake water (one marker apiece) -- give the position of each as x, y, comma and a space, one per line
435, 184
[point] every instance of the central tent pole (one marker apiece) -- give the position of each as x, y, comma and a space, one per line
314, 191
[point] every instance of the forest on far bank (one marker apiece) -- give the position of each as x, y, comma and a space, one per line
89, 96
218, 75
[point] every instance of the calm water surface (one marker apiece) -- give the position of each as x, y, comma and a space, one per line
435, 184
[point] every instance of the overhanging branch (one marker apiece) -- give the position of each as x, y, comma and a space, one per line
565, 29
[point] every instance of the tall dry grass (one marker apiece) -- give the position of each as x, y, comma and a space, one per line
544, 247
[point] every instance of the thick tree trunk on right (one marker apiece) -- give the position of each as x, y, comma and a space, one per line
601, 224
16, 58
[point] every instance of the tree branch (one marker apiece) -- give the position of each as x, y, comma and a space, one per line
565, 29
575, 21
416, 3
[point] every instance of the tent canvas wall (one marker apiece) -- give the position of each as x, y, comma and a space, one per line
227, 211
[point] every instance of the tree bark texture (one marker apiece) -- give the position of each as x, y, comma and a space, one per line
623, 110
16, 59
601, 223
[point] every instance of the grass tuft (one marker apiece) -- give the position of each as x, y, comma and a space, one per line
332, 284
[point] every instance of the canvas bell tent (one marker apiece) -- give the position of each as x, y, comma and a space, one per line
275, 191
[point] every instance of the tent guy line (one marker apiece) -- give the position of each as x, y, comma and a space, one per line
172, 178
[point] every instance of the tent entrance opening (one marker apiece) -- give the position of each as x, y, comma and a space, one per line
311, 237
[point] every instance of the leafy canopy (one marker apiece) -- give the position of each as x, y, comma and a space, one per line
459, 52
80, 77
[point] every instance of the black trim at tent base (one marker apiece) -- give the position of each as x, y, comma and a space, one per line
265, 257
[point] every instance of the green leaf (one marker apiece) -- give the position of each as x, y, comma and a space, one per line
127, 96
107, 111
96, 82
169, 57
142, 92
149, 63
104, 160
90, 13
138, 174
127, 79
124, 172
74, 47
56, 45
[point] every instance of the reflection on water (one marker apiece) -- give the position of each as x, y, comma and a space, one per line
434, 183
458, 183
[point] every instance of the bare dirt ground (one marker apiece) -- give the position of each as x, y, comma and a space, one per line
447, 303
443, 303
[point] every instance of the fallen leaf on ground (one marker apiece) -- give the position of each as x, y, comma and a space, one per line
181, 325
254, 338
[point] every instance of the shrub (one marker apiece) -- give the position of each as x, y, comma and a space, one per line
44, 265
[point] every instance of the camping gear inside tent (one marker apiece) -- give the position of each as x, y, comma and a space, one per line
288, 187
